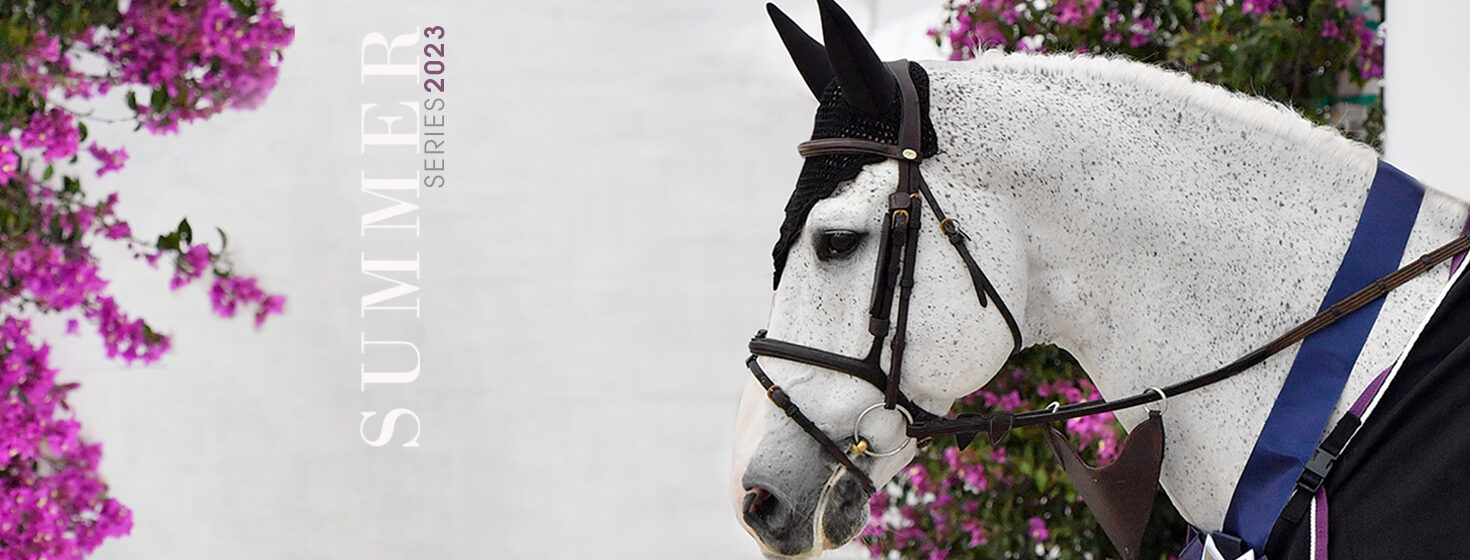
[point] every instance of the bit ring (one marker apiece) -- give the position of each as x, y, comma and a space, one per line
866, 448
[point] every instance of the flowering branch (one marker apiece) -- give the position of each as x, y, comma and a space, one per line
189, 61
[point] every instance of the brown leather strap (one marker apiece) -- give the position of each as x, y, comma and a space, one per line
861, 369
844, 146
911, 128
966, 425
906, 233
905, 226
784, 402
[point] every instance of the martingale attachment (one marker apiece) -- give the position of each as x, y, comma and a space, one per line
1121, 494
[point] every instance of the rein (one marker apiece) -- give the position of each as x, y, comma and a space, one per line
894, 274
1001, 422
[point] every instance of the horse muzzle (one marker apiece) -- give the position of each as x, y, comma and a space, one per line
802, 525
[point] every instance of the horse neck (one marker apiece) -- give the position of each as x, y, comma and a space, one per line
1170, 228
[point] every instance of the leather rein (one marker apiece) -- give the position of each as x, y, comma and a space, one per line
894, 273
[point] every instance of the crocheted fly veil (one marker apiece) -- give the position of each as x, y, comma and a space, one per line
836, 118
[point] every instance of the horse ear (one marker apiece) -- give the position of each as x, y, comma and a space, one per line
866, 82
809, 55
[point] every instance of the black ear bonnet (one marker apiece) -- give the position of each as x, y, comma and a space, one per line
836, 118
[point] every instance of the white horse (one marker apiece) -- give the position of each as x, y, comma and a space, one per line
1154, 227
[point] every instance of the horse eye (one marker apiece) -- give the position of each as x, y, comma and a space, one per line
837, 243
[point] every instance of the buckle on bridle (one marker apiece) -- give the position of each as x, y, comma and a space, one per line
951, 228
900, 218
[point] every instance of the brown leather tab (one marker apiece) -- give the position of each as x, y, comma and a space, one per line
1120, 495
1000, 425
963, 439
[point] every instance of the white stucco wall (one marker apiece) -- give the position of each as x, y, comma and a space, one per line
1426, 82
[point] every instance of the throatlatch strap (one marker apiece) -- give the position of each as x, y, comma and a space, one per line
983, 287
1324, 360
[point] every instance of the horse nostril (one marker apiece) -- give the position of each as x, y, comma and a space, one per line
758, 502
773, 521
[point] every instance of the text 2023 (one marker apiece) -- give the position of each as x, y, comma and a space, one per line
434, 67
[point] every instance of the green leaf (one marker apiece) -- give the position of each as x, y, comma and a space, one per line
168, 242
50, 170
82, 129
70, 185
185, 233
223, 241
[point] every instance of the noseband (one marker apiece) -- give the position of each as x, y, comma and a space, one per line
894, 272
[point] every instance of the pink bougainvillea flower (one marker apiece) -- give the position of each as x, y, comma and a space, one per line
9, 160
61, 511
975, 531
273, 304
1038, 530
191, 265
1259, 7
1068, 12
1205, 10
1329, 29
202, 52
54, 132
111, 160
119, 230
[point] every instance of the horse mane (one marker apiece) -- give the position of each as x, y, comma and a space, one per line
821, 175
1266, 116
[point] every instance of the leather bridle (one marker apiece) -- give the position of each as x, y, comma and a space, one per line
894, 273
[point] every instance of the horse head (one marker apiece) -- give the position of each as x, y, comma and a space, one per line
870, 279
